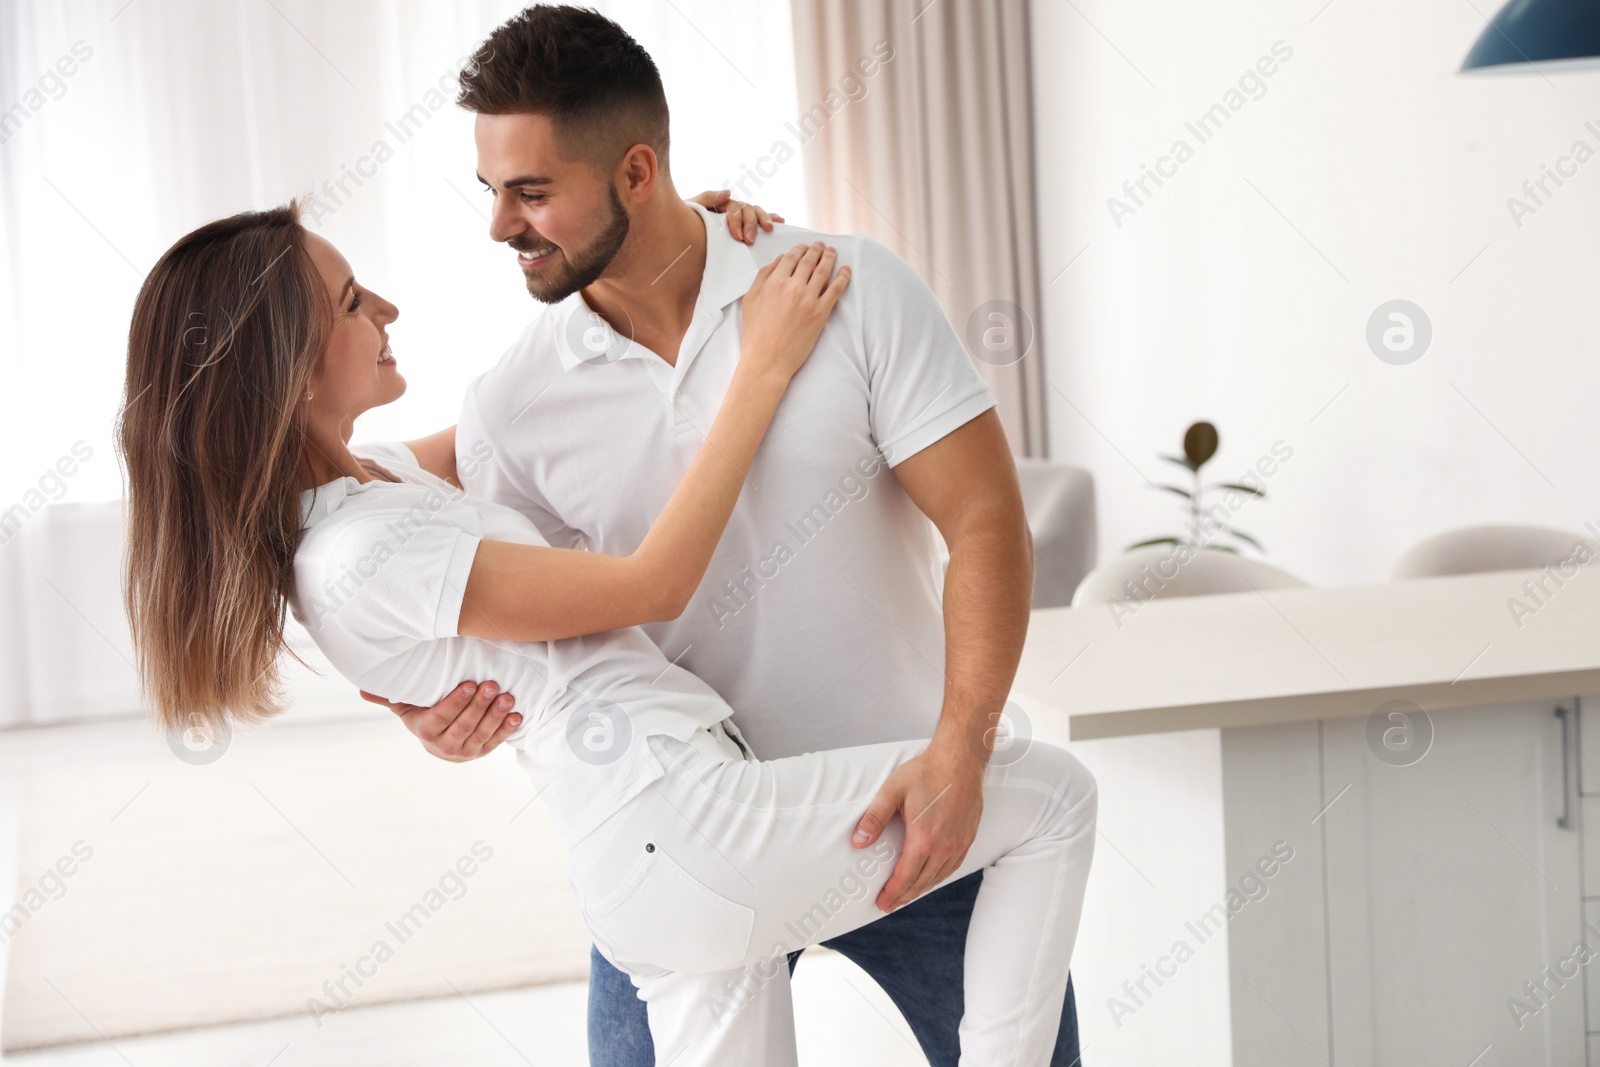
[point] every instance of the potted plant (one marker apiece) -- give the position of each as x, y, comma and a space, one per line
1200, 443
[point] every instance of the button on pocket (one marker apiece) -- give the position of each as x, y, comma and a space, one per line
662, 915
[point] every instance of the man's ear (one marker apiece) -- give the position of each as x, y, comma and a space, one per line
637, 174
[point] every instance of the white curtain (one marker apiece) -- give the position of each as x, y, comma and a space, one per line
920, 133
67, 655
123, 125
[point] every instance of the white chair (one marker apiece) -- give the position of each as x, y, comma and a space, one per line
1156, 571
1474, 549
1059, 501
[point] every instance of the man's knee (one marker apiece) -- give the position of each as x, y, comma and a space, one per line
1085, 789
1073, 783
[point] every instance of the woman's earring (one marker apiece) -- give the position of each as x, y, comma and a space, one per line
308, 394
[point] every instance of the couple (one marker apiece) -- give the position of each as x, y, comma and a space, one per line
676, 507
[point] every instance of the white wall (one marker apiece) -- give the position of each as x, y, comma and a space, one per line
1391, 173
1159, 864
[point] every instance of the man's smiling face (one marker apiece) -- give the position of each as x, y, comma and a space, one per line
560, 211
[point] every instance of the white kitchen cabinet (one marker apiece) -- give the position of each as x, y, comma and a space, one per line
1442, 910
1430, 893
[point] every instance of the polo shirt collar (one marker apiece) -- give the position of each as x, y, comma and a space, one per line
730, 270
730, 265
317, 504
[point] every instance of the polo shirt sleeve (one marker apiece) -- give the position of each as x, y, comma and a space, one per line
488, 464
921, 382
397, 574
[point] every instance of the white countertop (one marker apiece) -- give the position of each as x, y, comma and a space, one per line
1250, 659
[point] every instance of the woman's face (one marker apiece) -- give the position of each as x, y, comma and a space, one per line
357, 371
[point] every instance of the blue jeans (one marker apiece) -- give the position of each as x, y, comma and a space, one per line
915, 954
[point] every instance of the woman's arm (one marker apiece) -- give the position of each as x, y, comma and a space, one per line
533, 593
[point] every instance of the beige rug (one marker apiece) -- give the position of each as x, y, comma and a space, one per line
311, 868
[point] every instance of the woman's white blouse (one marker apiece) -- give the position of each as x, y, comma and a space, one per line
379, 579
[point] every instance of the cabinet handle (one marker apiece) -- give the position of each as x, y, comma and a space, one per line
1567, 756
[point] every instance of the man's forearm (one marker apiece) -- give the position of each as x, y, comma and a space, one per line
966, 484
988, 593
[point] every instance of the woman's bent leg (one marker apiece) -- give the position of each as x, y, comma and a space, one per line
726, 863
721, 1018
1025, 921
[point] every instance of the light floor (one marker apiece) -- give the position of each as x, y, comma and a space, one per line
842, 1017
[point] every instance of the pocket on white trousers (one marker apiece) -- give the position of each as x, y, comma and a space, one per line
662, 915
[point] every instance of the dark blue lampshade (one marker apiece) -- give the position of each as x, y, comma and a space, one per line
1561, 33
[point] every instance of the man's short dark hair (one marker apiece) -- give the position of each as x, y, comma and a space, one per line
574, 65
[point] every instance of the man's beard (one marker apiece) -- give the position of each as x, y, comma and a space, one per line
583, 268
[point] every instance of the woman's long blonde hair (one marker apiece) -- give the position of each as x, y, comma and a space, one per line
227, 331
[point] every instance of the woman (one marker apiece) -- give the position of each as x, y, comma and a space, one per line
697, 868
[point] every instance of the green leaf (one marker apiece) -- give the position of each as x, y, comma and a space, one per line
1179, 460
1174, 489
1200, 443
1154, 541
1223, 548
1252, 490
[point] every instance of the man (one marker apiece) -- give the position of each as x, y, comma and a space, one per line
819, 619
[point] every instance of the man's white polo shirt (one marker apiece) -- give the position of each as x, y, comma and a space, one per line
819, 619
